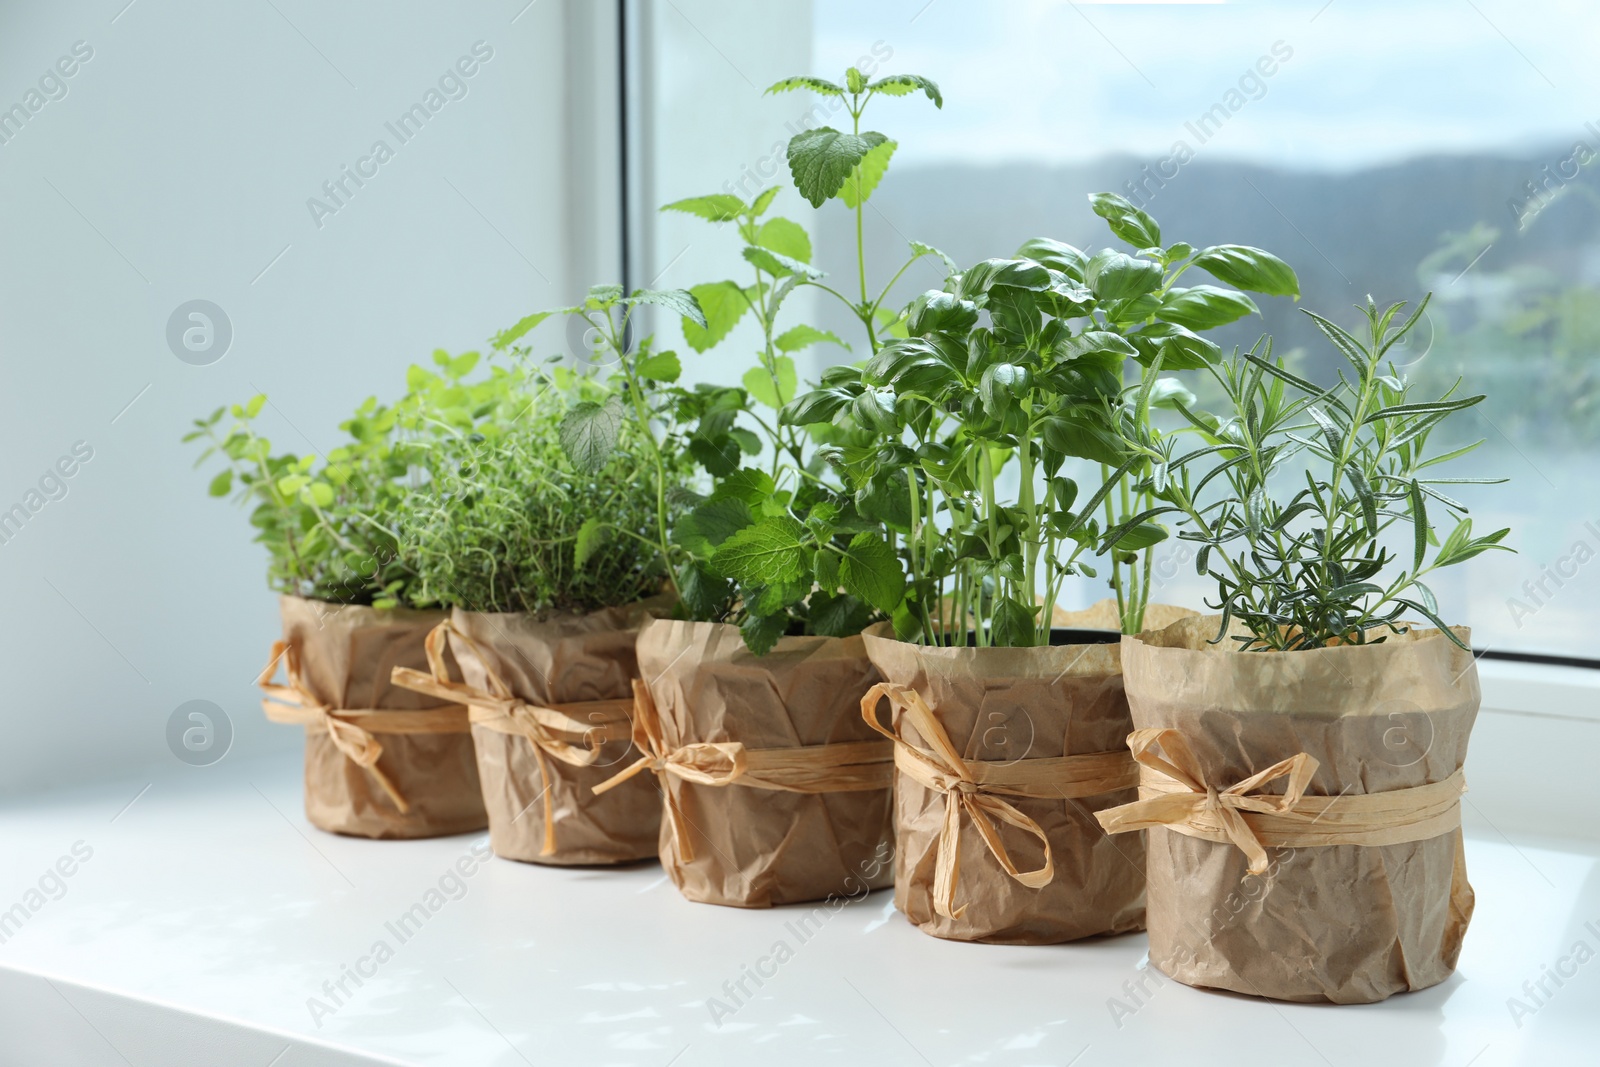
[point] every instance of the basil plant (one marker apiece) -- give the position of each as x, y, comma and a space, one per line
1014, 367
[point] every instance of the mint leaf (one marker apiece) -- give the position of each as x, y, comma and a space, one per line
779, 264
802, 336
678, 300
747, 484
660, 367
871, 570
901, 84
718, 207
868, 173
589, 433
759, 382
768, 553
723, 304
820, 160
511, 335
761, 632
786, 237
816, 85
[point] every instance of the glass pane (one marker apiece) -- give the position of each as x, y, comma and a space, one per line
1391, 150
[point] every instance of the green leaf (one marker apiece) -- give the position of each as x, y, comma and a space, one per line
837, 616
510, 336
769, 553
591, 535
759, 382
918, 250
253, 406
855, 81
747, 484
588, 433
1204, 307
1119, 276
1126, 221
660, 367
820, 160
1013, 625
723, 304
677, 300
710, 524
718, 207
901, 84
222, 484
321, 494
1419, 527
1140, 537
816, 85
705, 594
762, 632
825, 568
1055, 255
867, 174
1169, 393
871, 570
802, 336
763, 201
1180, 348
1250, 269
785, 237
779, 264
938, 310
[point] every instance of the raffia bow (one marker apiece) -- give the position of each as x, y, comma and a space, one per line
1173, 793
837, 768
351, 731
498, 708
1200, 804
977, 789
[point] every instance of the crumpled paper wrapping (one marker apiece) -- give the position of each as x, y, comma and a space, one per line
1345, 923
560, 659
754, 848
1003, 704
347, 653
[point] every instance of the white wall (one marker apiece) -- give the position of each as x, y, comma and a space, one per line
178, 166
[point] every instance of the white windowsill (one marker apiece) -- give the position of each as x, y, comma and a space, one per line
211, 912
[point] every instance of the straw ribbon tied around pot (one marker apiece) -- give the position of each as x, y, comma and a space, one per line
845, 767
1173, 792
498, 708
351, 731
977, 788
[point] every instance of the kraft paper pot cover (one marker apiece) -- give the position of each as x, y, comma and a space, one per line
1360, 887
424, 781
805, 813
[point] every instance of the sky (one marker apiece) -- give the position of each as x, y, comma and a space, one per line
1355, 83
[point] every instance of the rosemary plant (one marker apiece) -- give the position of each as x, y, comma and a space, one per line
1324, 566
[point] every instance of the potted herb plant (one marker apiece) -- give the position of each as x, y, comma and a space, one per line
380, 761
1304, 751
549, 568
774, 790
1015, 367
